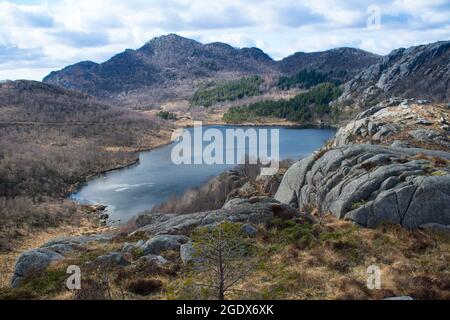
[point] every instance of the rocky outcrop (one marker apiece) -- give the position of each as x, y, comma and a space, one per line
255, 210
402, 176
163, 243
422, 72
32, 262
371, 184
111, 259
187, 253
37, 260
152, 259
404, 123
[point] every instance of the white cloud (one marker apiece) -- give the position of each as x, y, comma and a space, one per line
46, 35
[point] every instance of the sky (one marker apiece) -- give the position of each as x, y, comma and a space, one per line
39, 36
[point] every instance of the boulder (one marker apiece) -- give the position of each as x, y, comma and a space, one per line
33, 261
129, 247
249, 230
163, 243
152, 259
187, 253
111, 259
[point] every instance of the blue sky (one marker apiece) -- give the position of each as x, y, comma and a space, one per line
38, 36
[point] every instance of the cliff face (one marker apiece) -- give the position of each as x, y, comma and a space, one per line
421, 72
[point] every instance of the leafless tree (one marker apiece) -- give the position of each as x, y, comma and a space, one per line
224, 257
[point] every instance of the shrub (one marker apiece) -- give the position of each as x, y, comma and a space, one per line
144, 287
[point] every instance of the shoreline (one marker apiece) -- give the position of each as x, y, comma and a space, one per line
136, 160
283, 124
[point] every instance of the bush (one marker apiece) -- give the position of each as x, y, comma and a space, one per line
144, 287
48, 282
167, 115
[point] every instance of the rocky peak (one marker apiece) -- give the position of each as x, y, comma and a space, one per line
421, 72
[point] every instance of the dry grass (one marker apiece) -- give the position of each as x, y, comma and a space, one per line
296, 261
334, 265
35, 238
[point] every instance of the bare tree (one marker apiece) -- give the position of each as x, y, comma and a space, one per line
224, 255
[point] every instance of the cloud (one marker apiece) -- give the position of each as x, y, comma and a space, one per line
38, 35
81, 39
24, 16
10, 53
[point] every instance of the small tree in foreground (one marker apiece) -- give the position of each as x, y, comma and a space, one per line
224, 257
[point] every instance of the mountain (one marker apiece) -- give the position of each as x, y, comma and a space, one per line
165, 67
342, 64
421, 72
172, 67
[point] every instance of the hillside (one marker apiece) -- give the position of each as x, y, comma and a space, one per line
341, 64
52, 140
173, 68
421, 72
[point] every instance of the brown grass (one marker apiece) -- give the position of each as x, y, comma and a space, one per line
413, 263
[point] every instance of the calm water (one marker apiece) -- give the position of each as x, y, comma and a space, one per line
155, 178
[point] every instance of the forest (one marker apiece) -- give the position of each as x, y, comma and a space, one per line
304, 79
230, 91
304, 107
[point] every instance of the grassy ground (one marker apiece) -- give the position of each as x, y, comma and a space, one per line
297, 261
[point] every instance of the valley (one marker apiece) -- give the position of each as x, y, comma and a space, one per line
375, 193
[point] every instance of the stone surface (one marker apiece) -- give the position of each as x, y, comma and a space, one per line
187, 253
33, 261
153, 260
255, 210
420, 72
249, 230
370, 184
398, 124
163, 243
435, 227
112, 259
80, 240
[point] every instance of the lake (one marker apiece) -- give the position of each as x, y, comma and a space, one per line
156, 178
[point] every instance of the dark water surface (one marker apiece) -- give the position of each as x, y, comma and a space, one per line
156, 178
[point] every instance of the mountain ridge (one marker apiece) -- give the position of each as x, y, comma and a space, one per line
421, 72
149, 74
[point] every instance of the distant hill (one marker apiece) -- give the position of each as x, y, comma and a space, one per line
421, 72
341, 64
55, 137
172, 67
